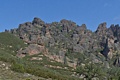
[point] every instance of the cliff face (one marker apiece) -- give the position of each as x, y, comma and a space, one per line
65, 38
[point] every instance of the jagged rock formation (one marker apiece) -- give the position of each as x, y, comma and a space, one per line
60, 38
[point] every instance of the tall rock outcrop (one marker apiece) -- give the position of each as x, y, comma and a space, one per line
66, 38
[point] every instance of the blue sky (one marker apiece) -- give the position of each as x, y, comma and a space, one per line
89, 12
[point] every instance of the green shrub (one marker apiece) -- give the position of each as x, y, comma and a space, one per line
91, 70
18, 67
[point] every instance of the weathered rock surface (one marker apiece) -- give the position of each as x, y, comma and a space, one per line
32, 49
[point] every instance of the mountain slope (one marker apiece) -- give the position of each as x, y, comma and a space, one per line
66, 48
13, 67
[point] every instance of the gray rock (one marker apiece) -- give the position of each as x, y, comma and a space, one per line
101, 30
32, 49
68, 36
38, 21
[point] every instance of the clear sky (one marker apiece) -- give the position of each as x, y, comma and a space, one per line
89, 12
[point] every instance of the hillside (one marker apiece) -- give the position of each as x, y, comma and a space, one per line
62, 50
9, 44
